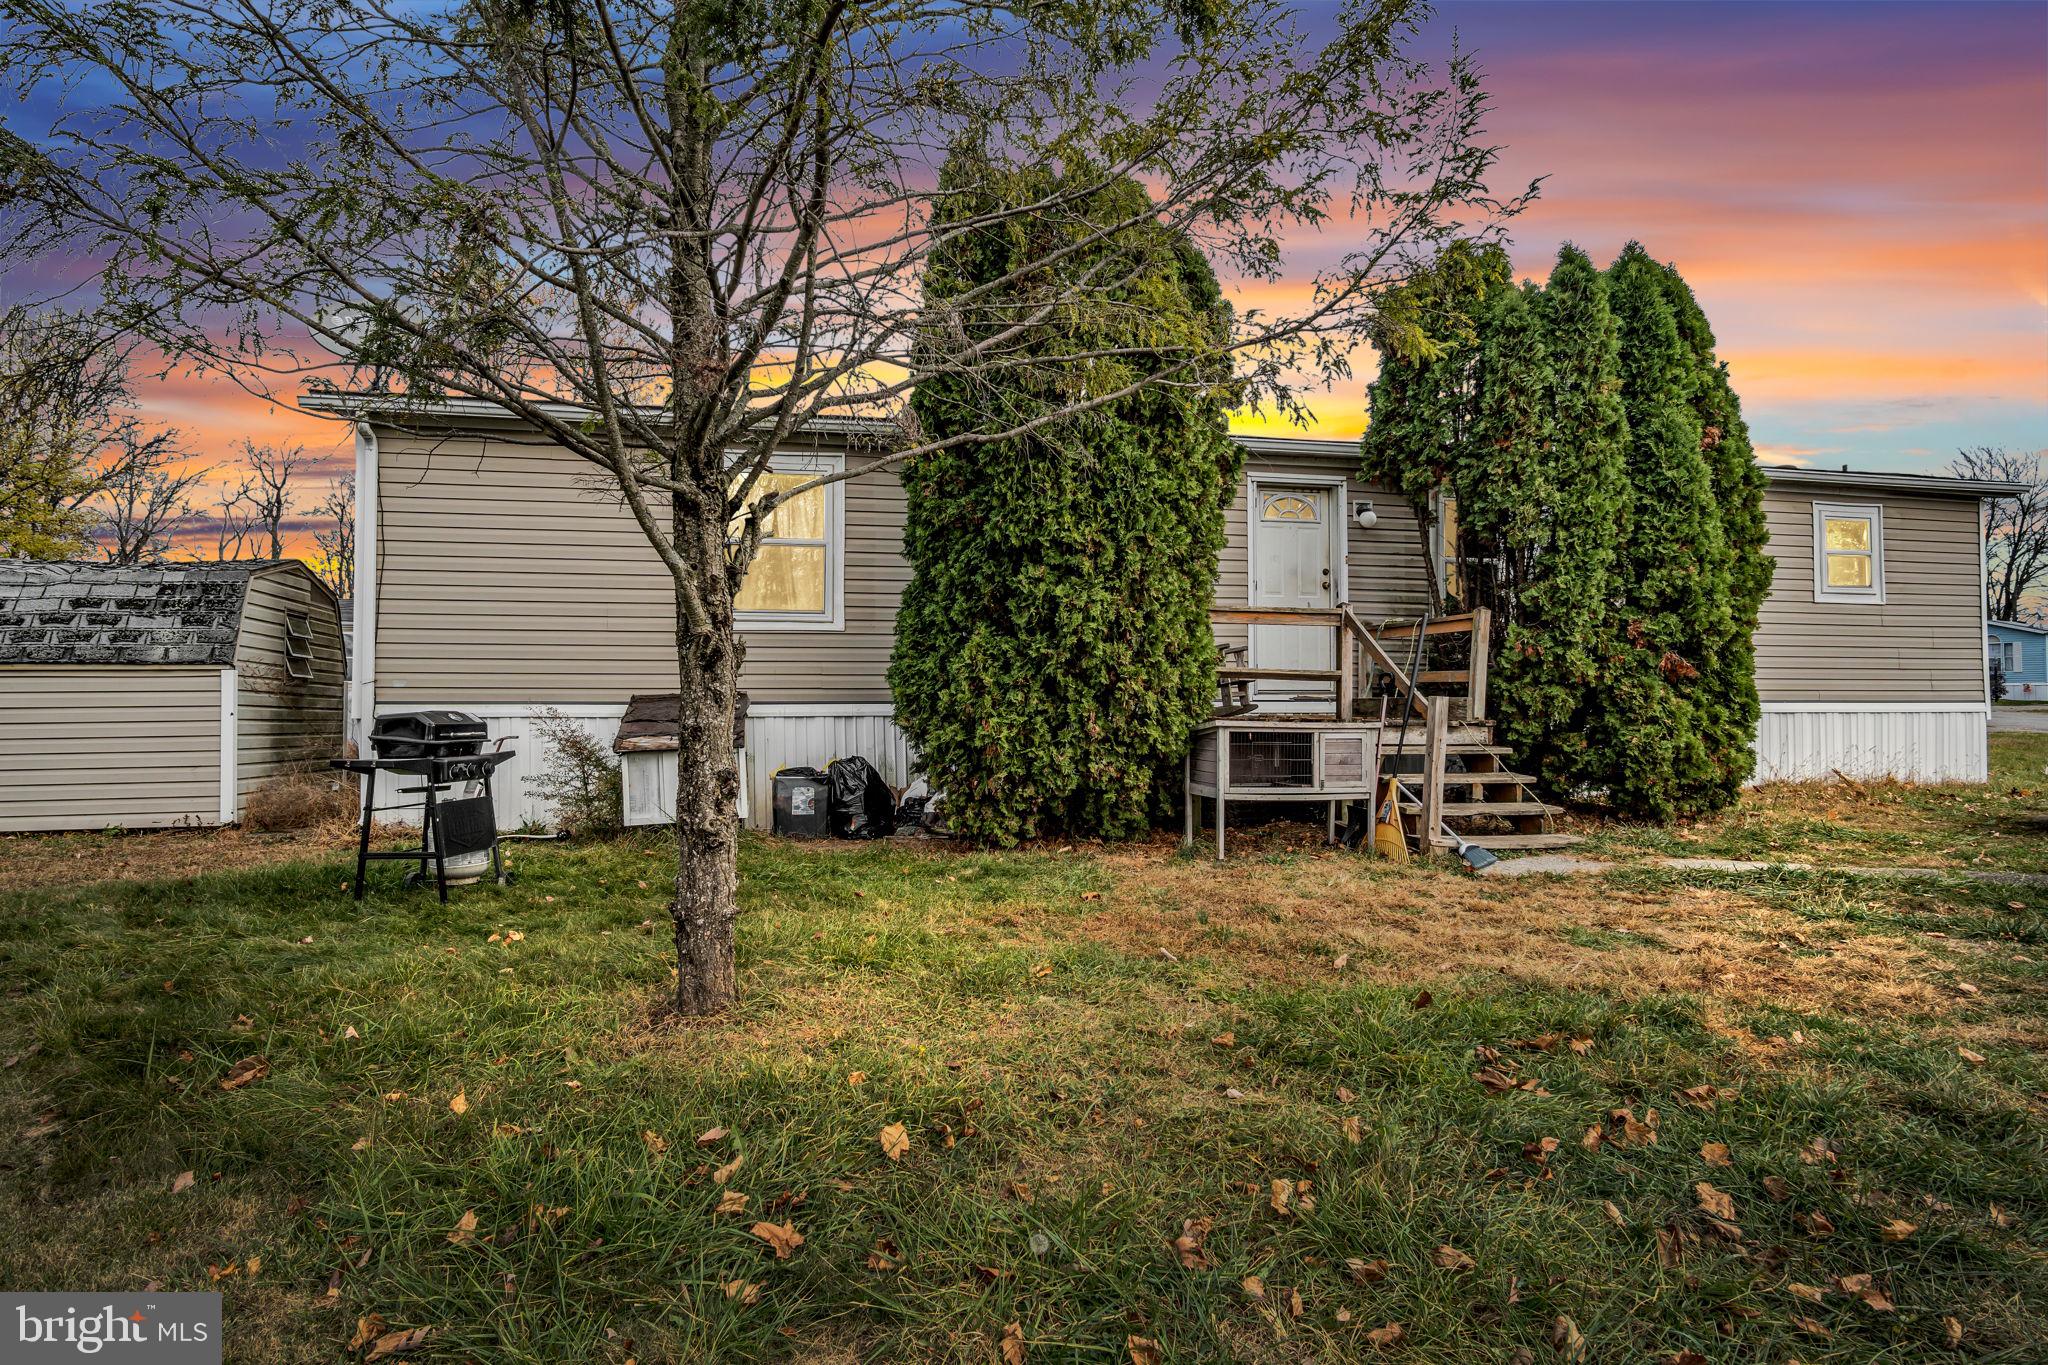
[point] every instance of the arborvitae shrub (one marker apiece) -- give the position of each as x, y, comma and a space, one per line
1053, 648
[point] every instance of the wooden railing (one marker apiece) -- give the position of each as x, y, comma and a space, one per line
1477, 625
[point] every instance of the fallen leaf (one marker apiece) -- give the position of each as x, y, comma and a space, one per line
1777, 1187
1816, 1152
1973, 1058
368, 1329
856, 1078
1716, 1154
1292, 1304
1225, 1039
895, 1140
1817, 1224
1343, 961
1013, 1344
398, 1343
460, 1104
1281, 1196
885, 1256
1688, 1356
1862, 1287
245, 1072
1345, 1095
182, 1182
1042, 969
1192, 1244
1812, 1293
1365, 1272
1144, 1351
349, 1034
732, 1201
1810, 1327
361, 1144
1952, 1330
1450, 1258
1716, 1203
709, 1136
728, 1170
782, 1236
1607, 1207
1254, 1288
465, 1226
1897, 1230
1422, 1001
1567, 1339
1354, 1129
1383, 1337
655, 1143
1020, 1191
1540, 1150
746, 1292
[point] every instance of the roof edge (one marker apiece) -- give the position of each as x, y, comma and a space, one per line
1932, 485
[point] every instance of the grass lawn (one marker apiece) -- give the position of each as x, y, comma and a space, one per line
1364, 1097
2001, 826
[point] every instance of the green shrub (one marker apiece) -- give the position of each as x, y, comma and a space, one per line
1053, 650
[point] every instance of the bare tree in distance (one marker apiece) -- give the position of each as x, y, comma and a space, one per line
335, 537
234, 521
145, 499
667, 234
2015, 531
271, 492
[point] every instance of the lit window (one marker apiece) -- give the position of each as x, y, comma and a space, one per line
1848, 563
1289, 507
792, 580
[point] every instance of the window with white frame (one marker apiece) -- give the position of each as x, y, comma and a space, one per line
794, 581
1848, 552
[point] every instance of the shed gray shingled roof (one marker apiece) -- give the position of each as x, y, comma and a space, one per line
67, 613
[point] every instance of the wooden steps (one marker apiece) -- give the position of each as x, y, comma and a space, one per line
1517, 843
1231, 675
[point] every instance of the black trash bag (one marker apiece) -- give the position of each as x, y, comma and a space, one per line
863, 807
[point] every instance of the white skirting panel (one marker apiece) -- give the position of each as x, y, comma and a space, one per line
792, 735
1801, 741
511, 785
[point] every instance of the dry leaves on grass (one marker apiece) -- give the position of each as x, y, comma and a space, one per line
1450, 1258
1897, 1230
1192, 1244
709, 1136
895, 1140
368, 1329
1144, 1351
465, 1228
1715, 1203
248, 1071
1365, 1272
728, 1170
1354, 1129
460, 1104
1973, 1058
1013, 1344
1716, 1154
747, 1292
1565, 1337
732, 1201
182, 1182
1862, 1287
398, 1343
1384, 1337
782, 1236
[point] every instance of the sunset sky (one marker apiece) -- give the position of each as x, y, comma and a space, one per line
1857, 192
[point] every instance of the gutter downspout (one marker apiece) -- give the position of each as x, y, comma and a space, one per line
363, 702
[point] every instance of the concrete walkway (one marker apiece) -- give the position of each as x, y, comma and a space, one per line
1570, 865
2034, 718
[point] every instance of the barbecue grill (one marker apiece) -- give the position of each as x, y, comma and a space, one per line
444, 750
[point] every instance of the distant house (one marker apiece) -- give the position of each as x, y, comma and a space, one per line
494, 575
2021, 651
161, 694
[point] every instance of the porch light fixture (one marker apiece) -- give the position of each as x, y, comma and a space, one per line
1362, 513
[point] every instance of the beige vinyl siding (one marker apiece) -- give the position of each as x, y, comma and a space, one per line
1385, 563
86, 748
284, 723
507, 574
1923, 644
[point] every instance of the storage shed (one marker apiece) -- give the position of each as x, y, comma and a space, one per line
160, 694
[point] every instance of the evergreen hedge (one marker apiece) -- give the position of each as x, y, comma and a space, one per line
1609, 513
1053, 648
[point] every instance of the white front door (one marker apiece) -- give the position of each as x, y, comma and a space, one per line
1291, 549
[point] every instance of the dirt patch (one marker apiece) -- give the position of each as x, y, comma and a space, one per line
1400, 925
33, 861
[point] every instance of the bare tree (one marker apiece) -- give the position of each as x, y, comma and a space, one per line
2015, 531
234, 521
666, 234
270, 495
336, 537
63, 383
143, 498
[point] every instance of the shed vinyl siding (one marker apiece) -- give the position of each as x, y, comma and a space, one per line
1922, 644
284, 723
506, 573
86, 748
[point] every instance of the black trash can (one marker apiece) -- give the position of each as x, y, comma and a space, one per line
802, 803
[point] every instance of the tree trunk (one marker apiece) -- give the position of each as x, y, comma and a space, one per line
706, 904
